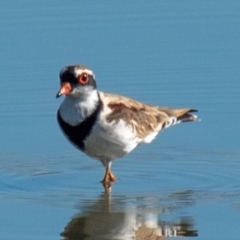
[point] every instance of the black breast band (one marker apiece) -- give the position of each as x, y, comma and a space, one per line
77, 134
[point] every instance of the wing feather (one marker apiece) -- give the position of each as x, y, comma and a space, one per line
143, 118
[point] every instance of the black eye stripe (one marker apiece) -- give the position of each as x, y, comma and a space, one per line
68, 75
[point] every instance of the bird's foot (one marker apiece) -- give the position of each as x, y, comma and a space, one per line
112, 178
108, 179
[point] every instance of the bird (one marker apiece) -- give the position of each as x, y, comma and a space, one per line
107, 126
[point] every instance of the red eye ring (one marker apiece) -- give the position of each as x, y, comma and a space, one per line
83, 78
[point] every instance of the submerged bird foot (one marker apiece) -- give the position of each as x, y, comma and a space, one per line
107, 186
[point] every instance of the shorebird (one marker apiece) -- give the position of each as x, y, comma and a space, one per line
107, 126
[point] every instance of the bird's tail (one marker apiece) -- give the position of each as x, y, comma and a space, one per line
176, 116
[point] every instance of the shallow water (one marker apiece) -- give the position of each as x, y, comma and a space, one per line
181, 54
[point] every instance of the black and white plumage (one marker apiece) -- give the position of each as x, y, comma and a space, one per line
108, 126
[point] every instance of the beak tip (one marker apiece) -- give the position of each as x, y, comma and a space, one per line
58, 95
65, 89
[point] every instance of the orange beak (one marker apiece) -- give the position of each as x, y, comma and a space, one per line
64, 89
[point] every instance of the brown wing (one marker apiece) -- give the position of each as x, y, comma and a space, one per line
143, 118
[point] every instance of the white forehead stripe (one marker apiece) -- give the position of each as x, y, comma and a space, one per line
78, 72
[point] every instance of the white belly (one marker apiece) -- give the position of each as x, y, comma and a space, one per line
109, 141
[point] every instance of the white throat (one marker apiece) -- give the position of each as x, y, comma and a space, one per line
74, 110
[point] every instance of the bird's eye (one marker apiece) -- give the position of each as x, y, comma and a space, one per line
83, 78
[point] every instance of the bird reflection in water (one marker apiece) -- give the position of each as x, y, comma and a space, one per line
136, 218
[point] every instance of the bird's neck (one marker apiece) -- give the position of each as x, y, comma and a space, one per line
75, 110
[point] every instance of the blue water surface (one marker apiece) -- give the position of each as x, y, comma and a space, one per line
167, 53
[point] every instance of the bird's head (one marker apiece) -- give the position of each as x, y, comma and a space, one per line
76, 81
